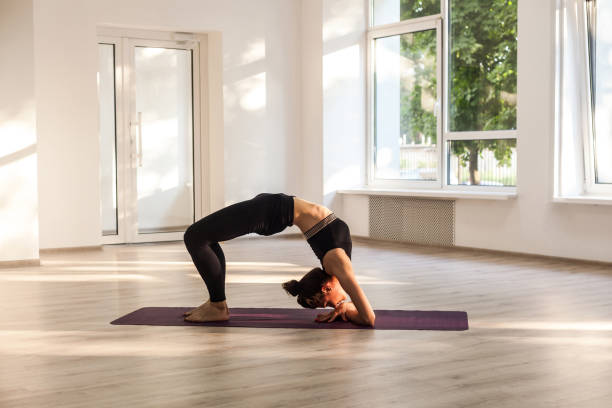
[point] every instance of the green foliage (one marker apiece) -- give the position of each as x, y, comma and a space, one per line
482, 65
467, 150
419, 52
418, 8
482, 75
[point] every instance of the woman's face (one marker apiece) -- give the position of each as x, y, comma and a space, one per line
331, 295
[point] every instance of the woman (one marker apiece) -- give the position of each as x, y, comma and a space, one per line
268, 214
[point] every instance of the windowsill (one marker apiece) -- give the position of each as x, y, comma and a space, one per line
441, 194
585, 199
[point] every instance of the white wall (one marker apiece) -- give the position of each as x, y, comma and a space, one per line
344, 96
261, 106
531, 223
312, 100
66, 66
18, 150
333, 98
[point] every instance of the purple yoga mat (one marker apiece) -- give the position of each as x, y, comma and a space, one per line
300, 319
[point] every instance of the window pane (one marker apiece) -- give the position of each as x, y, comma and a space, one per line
482, 162
108, 155
163, 92
392, 11
603, 94
405, 93
482, 65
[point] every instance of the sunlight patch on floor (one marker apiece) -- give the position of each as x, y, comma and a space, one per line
71, 263
542, 325
251, 277
143, 268
75, 277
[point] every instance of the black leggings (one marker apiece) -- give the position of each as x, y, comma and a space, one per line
266, 214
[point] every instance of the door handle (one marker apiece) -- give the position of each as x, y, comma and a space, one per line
138, 124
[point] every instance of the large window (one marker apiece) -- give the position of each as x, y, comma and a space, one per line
442, 93
583, 100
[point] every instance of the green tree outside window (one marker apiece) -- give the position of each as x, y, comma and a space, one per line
482, 77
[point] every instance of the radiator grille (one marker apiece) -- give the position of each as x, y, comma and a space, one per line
416, 220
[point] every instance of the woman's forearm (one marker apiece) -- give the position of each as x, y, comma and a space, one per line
354, 316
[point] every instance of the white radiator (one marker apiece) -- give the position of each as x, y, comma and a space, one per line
415, 220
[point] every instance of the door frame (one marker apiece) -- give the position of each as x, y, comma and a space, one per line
124, 42
121, 147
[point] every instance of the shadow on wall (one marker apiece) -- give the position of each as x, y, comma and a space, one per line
344, 98
245, 94
18, 183
6, 159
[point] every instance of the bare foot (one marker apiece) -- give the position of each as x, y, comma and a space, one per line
193, 310
210, 312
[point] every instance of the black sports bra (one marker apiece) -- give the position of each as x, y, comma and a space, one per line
329, 233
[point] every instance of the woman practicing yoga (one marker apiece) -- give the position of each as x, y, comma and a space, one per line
268, 214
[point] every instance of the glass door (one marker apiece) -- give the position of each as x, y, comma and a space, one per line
159, 185
161, 127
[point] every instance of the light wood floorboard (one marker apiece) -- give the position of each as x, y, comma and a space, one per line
540, 332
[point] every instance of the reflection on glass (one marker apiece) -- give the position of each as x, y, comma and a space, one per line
392, 11
603, 94
165, 174
482, 162
405, 94
107, 132
482, 65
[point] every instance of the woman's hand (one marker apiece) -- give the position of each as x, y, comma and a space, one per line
342, 310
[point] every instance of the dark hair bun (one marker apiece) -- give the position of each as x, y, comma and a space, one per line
292, 287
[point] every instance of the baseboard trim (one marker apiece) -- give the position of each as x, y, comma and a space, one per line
536, 256
19, 263
365, 239
71, 249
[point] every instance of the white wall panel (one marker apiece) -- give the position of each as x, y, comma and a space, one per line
18, 144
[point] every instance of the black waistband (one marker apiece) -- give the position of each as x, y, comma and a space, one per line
320, 225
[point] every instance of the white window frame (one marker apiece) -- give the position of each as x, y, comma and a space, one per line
406, 27
590, 186
442, 24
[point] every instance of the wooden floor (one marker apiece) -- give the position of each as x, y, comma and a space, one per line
540, 332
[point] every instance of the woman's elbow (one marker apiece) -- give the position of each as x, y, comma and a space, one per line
371, 320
